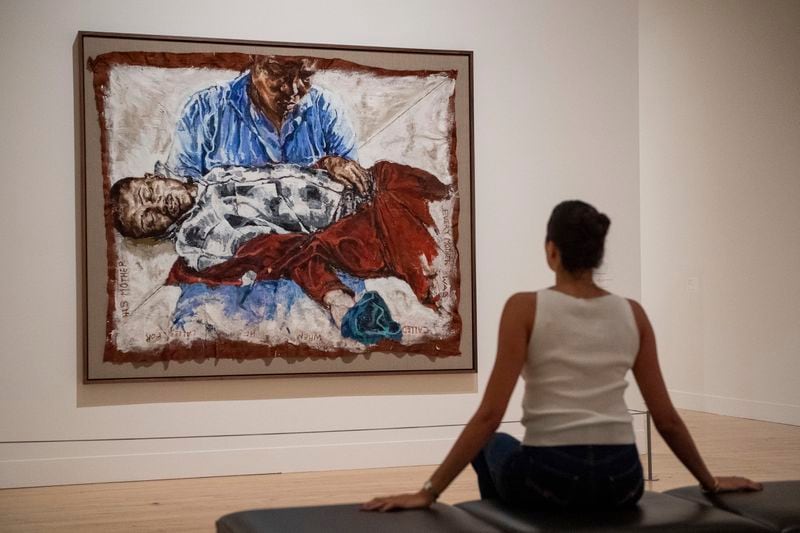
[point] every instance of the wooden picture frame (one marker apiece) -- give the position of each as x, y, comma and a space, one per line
257, 209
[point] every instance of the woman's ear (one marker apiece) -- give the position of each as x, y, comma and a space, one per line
553, 255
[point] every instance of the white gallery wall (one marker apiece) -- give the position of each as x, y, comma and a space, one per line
720, 201
556, 117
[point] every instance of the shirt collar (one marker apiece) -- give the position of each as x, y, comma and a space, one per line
239, 98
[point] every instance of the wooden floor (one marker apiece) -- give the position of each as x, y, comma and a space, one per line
760, 450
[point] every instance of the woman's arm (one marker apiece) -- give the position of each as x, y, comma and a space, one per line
667, 420
515, 329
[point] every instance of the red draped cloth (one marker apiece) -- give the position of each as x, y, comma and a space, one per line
389, 236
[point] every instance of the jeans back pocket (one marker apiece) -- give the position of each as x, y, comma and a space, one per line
626, 486
550, 483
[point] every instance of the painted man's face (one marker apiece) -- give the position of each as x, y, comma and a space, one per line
281, 89
149, 206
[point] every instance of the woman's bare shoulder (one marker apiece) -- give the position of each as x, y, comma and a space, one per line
636, 307
520, 309
522, 299
521, 304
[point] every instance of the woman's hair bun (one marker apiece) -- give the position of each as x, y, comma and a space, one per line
596, 223
579, 232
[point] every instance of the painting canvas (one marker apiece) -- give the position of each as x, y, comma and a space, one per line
256, 209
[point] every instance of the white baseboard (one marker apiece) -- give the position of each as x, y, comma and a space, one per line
76, 462
36, 464
721, 405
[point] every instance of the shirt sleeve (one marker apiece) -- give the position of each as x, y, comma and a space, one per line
192, 135
340, 137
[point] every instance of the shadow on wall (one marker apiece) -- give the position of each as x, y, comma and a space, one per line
98, 394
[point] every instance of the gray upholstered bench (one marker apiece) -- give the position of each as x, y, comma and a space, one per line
655, 512
335, 518
777, 506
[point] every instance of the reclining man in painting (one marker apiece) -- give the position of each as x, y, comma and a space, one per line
285, 221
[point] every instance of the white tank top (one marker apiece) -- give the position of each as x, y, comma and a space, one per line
578, 355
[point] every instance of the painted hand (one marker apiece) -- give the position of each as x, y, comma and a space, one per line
346, 172
417, 500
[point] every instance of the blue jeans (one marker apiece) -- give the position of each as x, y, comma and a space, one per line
561, 477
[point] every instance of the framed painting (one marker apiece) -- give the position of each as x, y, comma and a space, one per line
262, 209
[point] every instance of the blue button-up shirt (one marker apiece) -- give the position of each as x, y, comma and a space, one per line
221, 127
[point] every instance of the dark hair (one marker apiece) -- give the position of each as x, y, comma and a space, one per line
579, 232
116, 211
284, 67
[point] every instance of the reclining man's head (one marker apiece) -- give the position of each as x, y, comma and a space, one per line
148, 206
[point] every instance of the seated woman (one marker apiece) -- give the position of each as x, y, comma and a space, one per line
573, 345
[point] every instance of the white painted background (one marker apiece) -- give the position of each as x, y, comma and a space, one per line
566, 93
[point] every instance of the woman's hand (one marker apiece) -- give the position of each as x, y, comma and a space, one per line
418, 500
736, 484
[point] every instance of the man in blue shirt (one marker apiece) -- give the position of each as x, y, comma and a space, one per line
269, 114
